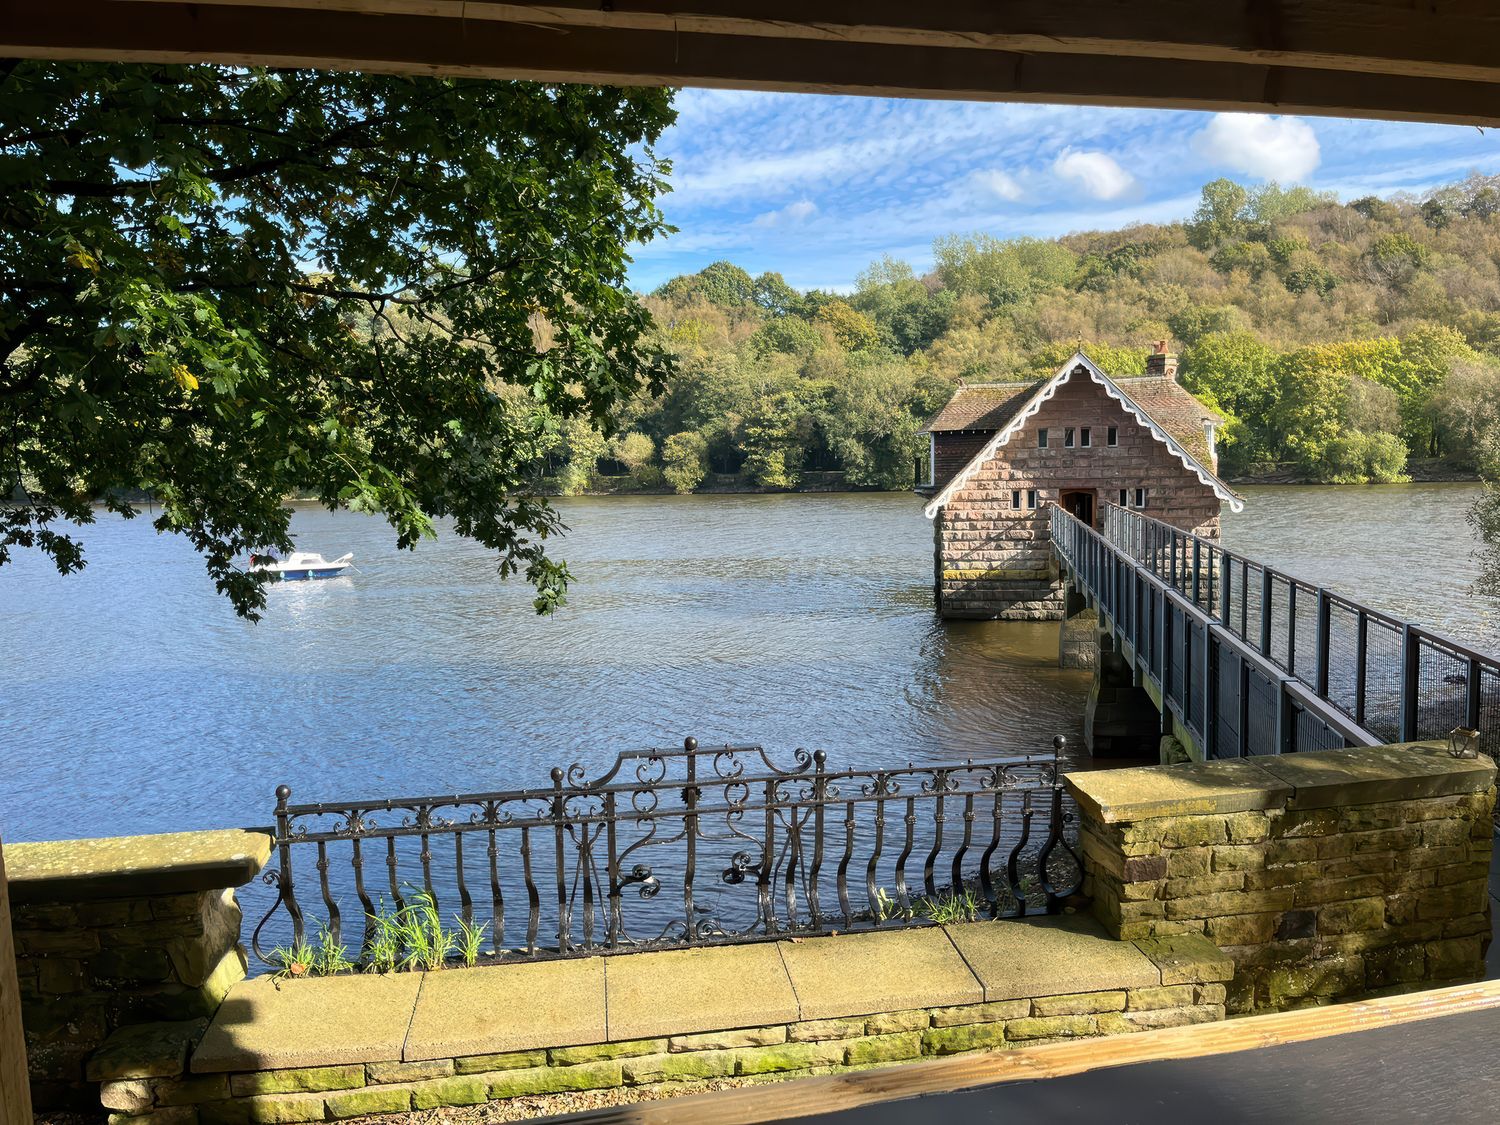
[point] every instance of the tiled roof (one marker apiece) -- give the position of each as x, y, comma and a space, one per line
981, 406
1170, 405
988, 407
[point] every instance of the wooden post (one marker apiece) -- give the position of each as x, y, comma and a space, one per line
15, 1087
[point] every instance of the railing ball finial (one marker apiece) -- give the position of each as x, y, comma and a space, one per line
820, 757
556, 774
690, 745
283, 792
1060, 743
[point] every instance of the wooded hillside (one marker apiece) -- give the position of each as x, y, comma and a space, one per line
1340, 338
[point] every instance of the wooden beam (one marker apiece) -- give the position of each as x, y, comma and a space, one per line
165, 31
1455, 39
15, 1087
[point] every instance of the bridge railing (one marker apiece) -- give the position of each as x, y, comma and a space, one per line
1172, 598
1398, 680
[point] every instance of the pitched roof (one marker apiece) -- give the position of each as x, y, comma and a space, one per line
980, 406
1174, 417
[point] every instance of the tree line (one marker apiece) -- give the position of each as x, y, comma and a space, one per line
1341, 340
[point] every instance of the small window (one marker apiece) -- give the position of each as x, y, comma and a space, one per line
1068, 437
1031, 498
1085, 439
1015, 498
1041, 438
1124, 497
1140, 497
1114, 435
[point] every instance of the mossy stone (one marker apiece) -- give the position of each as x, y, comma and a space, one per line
372, 1099
883, 1048
571, 1056
788, 1056
301, 1079
557, 1079
458, 1090
510, 1060
968, 1037
679, 1067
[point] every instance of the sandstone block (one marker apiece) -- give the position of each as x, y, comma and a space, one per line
456, 1090
129, 1096
307, 1078
725, 1040
969, 1037
1050, 1027
387, 1072
914, 1019
788, 1056
1166, 996
152, 1050
1081, 1003
1242, 929
883, 1048
275, 1109
599, 1075
508, 1060
372, 1099
816, 1031
677, 1068
571, 1056
1349, 917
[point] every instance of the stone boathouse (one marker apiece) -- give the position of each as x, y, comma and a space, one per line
1002, 453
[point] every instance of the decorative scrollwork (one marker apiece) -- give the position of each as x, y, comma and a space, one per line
740, 864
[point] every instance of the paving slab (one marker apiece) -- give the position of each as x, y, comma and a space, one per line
500, 1008
879, 971
268, 1025
1405, 771
1191, 789
1050, 957
681, 991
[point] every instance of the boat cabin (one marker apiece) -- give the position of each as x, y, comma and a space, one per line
1001, 454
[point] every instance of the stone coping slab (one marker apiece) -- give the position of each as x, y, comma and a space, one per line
135, 866
1315, 779
500, 1008
679, 991
1371, 774
1061, 955
267, 1025
1191, 789
879, 971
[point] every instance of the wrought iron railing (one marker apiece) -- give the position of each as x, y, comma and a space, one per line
1257, 661
681, 847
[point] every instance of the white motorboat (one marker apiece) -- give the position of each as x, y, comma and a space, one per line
302, 564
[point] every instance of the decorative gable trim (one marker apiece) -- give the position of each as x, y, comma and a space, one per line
1045, 392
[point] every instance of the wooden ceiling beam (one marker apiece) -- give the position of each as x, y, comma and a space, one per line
166, 31
1455, 39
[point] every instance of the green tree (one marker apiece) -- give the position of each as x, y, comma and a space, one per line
637, 452
1221, 215
719, 283
1002, 272
773, 296
1235, 372
788, 335
685, 456
850, 327
161, 332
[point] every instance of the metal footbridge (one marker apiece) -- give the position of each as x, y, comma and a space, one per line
1253, 661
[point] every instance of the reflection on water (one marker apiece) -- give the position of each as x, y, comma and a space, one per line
136, 702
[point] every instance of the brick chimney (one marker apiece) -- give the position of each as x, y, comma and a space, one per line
1161, 362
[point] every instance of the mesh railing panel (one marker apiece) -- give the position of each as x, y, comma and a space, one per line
1383, 680
1442, 689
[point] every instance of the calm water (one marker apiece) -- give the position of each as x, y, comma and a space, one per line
134, 701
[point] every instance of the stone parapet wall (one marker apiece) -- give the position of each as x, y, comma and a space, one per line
1324, 875
120, 932
151, 1076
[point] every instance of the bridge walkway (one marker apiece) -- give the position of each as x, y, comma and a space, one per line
1253, 661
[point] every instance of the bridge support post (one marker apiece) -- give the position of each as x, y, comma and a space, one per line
1119, 720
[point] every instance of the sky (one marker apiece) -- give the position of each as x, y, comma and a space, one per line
816, 187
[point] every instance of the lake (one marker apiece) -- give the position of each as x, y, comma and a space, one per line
135, 701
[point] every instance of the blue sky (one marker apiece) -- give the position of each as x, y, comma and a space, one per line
817, 187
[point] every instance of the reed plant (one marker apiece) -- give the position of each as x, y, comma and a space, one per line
948, 907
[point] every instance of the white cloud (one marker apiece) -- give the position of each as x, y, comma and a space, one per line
1270, 148
1096, 172
1000, 184
790, 215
